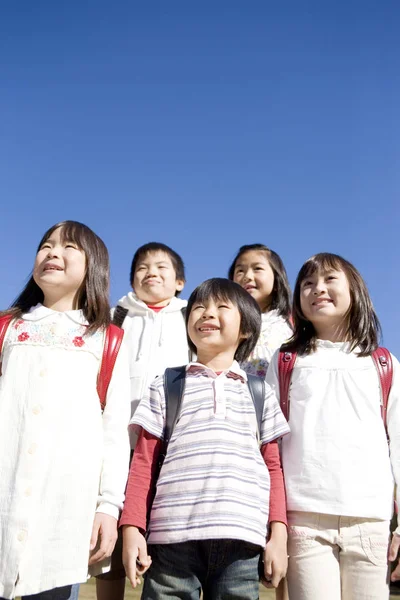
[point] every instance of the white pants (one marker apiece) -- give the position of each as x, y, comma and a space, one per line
337, 558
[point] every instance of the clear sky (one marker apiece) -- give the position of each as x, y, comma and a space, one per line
204, 125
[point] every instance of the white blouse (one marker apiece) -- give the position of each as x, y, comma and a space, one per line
61, 460
274, 331
336, 459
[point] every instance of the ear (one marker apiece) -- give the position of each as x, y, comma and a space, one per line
179, 285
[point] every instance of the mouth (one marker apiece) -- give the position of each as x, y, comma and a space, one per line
208, 328
51, 267
322, 302
250, 287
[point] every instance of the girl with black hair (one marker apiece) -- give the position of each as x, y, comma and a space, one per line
260, 271
339, 470
63, 462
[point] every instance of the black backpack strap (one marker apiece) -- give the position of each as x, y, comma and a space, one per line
174, 385
119, 315
257, 391
190, 353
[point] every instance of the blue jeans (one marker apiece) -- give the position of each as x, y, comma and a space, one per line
222, 569
68, 592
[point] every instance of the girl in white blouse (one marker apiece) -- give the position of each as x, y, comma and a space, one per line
261, 272
339, 470
63, 462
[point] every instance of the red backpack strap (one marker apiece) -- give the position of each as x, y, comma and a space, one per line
384, 365
4, 323
286, 362
112, 343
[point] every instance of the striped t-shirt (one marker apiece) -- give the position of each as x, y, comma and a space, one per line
214, 483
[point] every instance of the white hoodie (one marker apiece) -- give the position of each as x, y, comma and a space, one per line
155, 341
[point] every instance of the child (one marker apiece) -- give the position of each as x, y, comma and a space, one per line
63, 463
260, 271
338, 470
155, 335
208, 523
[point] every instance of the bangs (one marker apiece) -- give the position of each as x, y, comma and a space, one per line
70, 231
322, 263
215, 289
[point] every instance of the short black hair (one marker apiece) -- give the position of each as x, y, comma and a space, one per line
176, 260
281, 295
250, 314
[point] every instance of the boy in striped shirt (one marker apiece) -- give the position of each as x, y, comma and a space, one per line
219, 504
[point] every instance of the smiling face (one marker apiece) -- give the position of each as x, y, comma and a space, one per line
59, 270
254, 273
214, 329
325, 299
155, 281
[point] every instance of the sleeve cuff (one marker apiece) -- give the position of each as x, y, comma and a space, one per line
108, 509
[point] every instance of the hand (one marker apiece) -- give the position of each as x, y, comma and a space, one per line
104, 536
393, 552
134, 554
275, 556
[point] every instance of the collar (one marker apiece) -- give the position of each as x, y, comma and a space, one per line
39, 312
234, 371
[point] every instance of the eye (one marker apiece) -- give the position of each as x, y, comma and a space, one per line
223, 306
331, 277
259, 269
71, 245
45, 245
306, 283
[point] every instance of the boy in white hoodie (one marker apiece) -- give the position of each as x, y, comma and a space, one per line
153, 318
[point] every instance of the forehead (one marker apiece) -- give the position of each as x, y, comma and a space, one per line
63, 234
323, 270
155, 256
252, 256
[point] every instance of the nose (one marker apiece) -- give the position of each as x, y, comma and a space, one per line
209, 313
54, 252
247, 275
319, 287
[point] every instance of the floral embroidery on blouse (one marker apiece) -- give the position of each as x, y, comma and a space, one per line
274, 331
23, 336
60, 333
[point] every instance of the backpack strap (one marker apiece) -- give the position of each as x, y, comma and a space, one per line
119, 315
257, 391
4, 323
384, 365
286, 362
174, 385
112, 343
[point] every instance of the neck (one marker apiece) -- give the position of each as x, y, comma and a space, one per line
159, 303
264, 306
216, 362
61, 304
332, 332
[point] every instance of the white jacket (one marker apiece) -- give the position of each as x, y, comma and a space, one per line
155, 341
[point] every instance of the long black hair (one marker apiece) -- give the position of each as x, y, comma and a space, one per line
281, 295
363, 328
93, 296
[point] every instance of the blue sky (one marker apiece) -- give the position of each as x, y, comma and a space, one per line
205, 126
